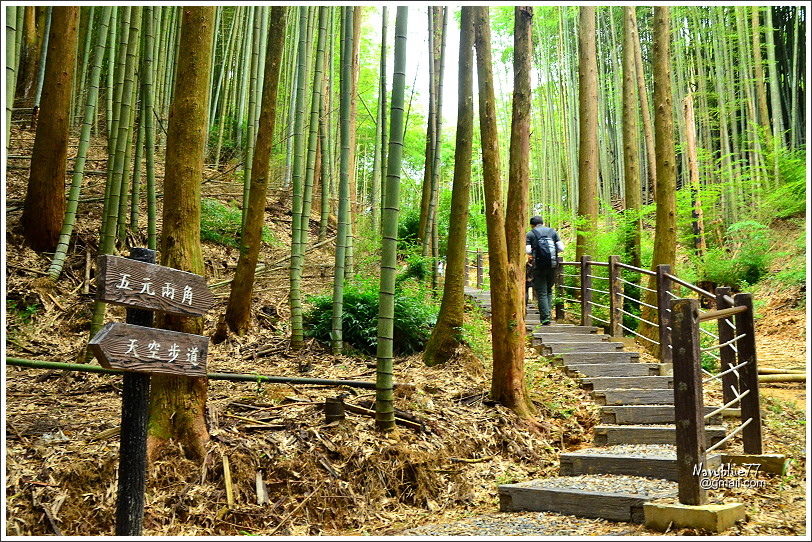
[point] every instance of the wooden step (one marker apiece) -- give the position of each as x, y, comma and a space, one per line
633, 396
613, 369
623, 503
557, 348
653, 461
566, 328
626, 382
647, 414
610, 435
573, 358
543, 337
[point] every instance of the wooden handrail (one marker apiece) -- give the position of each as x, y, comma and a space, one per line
721, 313
692, 287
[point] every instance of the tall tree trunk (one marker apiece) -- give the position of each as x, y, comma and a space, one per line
445, 337
631, 142
58, 260
648, 131
297, 253
698, 222
238, 310
761, 91
423, 227
354, 208
30, 50
297, 329
507, 331
336, 339
379, 158
178, 404
384, 396
12, 61
44, 208
665, 235
148, 105
588, 133
779, 138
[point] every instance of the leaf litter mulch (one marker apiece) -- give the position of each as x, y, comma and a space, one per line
293, 473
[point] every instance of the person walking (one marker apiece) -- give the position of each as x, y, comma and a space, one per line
543, 246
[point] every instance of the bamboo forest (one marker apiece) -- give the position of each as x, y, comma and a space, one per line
405, 270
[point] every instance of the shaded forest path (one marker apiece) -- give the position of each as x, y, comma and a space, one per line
633, 458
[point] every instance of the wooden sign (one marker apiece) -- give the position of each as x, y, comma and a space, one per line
149, 350
123, 281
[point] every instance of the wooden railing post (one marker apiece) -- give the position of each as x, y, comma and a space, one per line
467, 268
559, 282
727, 355
663, 314
748, 375
688, 404
586, 291
479, 269
615, 299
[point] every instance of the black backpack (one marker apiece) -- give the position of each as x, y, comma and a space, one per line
544, 252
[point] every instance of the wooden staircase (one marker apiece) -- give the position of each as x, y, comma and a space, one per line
633, 457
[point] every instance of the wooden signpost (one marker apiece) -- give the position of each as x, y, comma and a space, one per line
124, 281
141, 350
145, 349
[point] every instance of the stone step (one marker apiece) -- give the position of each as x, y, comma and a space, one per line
581, 358
543, 337
557, 348
613, 369
616, 498
653, 461
610, 435
627, 382
633, 396
647, 414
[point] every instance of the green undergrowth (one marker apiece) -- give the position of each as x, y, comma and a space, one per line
414, 318
222, 223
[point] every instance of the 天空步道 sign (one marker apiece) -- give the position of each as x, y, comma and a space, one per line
146, 349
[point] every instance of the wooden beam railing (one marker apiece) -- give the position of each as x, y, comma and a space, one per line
680, 337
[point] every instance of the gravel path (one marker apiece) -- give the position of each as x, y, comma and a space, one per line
523, 524
608, 483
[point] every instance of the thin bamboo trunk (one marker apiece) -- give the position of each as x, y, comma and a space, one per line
384, 389
336, 338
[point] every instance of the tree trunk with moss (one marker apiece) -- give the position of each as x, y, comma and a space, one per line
45, 202
446, 335
177, 404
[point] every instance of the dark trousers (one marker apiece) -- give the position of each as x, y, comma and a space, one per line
543, 282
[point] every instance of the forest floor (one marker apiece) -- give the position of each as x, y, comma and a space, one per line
275, 466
